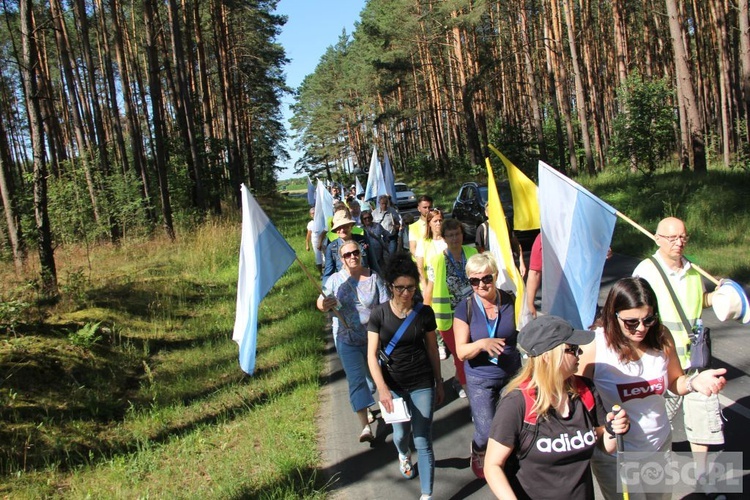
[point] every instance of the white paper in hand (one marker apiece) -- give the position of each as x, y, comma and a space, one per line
400, 412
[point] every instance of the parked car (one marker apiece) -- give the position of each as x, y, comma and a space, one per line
469, 209
405, 197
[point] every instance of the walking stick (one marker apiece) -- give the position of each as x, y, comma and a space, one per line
653, 237
320, 289
620, 452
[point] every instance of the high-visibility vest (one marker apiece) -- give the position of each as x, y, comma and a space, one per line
690, 295
441, 297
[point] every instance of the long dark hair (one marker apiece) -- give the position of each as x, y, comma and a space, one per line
630, 293
400, 264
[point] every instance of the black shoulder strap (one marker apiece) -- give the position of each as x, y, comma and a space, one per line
685, 322
400, 332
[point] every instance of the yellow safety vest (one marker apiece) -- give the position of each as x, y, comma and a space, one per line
691, 302
441, 297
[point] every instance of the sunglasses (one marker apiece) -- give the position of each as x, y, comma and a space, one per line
353, 253
486, 279
632, 324
574, 350
403, 289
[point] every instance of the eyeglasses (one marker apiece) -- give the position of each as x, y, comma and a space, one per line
673, 238
353, 253
435, 209
404, 289
574, 350
632, 323
487, 279
347, 227
366, 219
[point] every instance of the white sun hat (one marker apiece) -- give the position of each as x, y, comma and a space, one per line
730, 302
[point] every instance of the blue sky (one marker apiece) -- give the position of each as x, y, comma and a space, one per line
312, 26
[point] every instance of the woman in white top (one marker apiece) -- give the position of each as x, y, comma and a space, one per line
632, 362
431, 245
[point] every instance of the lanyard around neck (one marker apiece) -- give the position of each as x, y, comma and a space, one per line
458, 267
491, 329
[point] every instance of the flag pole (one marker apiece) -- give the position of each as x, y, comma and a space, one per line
653, 237
316, 283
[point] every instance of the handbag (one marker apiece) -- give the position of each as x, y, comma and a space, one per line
700, 338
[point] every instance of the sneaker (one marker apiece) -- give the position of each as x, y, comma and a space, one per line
366, 435
459, 389
425, 497
370, 416
443, 352
404, 465
477, 462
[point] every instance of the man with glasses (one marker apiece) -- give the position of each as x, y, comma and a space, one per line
703, 419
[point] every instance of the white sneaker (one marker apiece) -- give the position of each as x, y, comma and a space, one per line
443, 352
425, 497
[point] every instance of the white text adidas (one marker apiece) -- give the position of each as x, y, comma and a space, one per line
566, 443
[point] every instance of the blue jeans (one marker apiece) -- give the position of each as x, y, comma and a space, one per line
361, 387
420, 404
484, 394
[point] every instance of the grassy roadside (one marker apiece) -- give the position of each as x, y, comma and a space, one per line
130, 387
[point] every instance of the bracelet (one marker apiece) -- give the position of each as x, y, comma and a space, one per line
690, 382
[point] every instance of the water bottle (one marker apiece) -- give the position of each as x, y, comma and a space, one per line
698, 328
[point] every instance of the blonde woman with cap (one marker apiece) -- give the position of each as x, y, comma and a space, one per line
342, 225
550, 420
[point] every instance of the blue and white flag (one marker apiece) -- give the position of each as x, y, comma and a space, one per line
389, 178
310, 192
358, 186
264, 256
577, 230
375, 180
323, 208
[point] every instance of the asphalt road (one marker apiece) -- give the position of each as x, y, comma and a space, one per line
364, 471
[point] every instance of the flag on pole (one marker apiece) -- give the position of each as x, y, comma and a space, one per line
509, 277
323, 208
358, 186
310, 192
375, 181
525, 199
577, 230
260, 240
389, 178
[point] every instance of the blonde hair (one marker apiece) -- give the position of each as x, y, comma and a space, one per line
481, 261
542, 374
349, 242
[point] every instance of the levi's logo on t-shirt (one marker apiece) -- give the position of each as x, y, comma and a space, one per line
640, 389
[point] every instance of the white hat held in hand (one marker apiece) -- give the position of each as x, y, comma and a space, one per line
730, 302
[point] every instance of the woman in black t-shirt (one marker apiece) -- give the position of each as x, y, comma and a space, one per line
412, 371
550, 418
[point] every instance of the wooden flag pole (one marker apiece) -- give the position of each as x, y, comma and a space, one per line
316, 283
653, 237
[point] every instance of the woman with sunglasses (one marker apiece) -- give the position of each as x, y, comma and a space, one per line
409, 370
549, 422
484, 325
355, 291
633, 362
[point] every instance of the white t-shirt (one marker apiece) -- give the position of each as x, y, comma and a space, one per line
639, 387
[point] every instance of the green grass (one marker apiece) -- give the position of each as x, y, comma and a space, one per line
152, 402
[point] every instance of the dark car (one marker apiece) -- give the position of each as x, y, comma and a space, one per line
469, 209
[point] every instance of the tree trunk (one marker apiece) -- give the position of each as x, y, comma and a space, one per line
697, 145
12, 221
30, 74
744, 56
